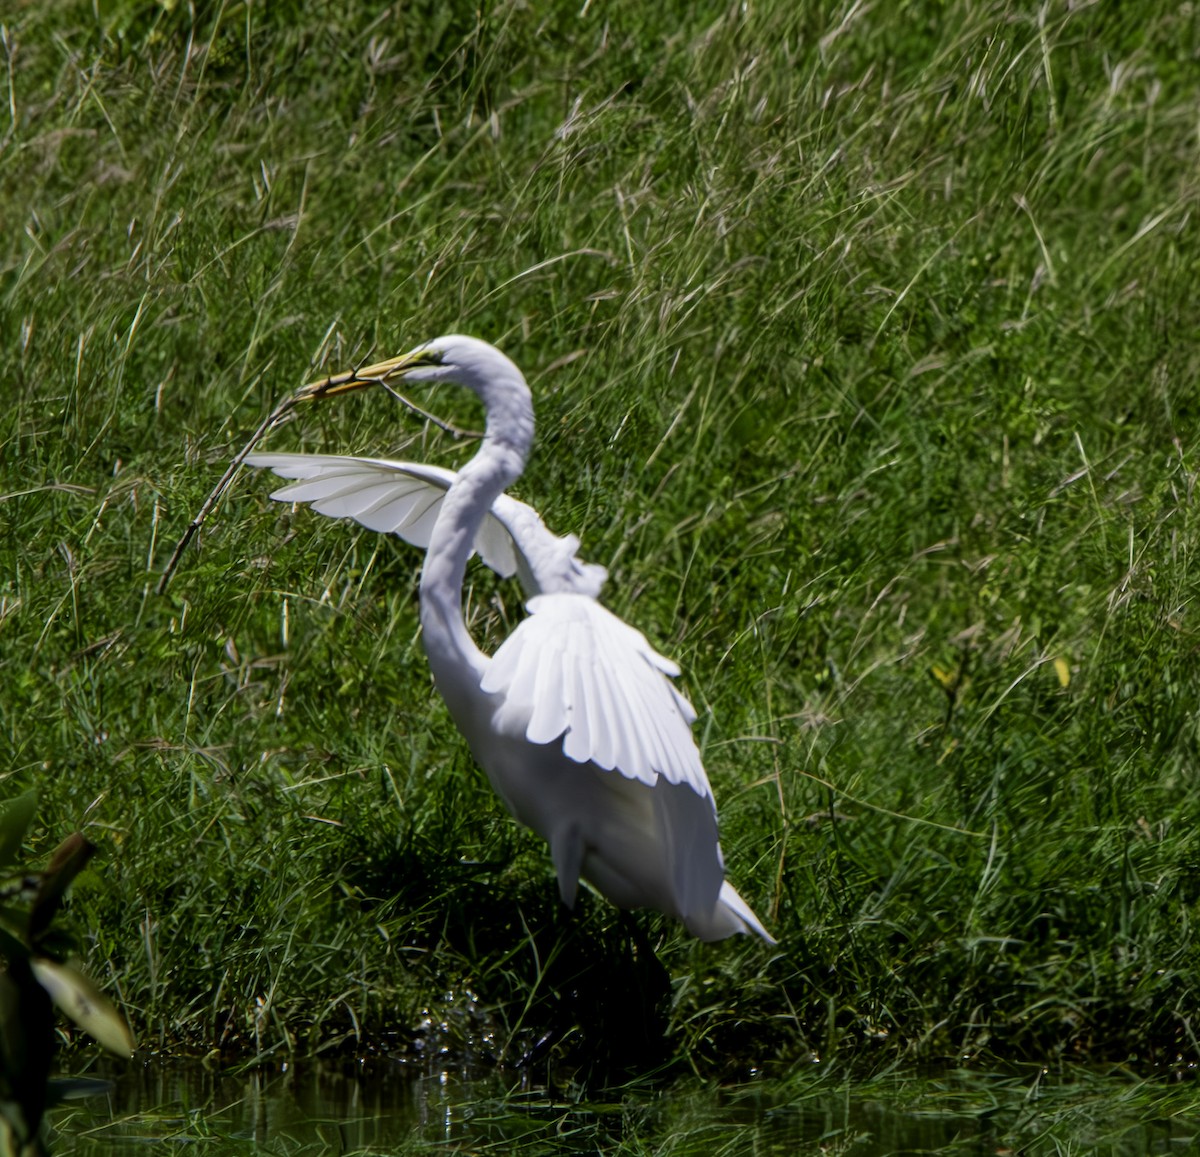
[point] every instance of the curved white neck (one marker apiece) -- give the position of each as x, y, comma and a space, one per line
458, 664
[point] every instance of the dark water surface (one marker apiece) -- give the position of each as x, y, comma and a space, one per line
178, 1108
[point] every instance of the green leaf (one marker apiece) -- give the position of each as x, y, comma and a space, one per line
26, 1049
85, 1004
75, 1088
67, 862
14, 824
12, 936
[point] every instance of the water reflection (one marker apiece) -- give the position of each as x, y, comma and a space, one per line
394, 1110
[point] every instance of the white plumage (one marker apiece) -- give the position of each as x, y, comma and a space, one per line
571, 665
575, 719
404, 498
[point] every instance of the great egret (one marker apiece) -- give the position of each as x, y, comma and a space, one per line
574, 720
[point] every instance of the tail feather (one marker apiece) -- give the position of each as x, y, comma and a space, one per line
730, 916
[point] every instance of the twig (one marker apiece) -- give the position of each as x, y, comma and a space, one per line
268, 423
455, 432
356, 377
316, 390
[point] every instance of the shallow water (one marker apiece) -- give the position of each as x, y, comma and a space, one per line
165, 1108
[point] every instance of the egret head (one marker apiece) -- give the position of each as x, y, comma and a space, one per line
463, 361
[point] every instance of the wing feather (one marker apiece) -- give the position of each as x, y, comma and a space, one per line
404, 498
392, 515
580, 708
548, 701
635, 730
641, 691
685, 709
329, 488
604, 750
422, 519
576, 673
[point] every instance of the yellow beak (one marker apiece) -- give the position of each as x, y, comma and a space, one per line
373, 375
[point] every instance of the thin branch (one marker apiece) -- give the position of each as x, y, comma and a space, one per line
455, 432
269, 423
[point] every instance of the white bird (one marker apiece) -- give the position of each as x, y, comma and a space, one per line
574, 720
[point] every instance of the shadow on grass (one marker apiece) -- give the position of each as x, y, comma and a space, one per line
524, 981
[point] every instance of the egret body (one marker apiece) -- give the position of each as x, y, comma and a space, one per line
574, 720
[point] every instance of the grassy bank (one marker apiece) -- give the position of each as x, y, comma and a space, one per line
864, 344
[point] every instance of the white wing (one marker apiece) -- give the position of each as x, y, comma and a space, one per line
404, 498
574, 671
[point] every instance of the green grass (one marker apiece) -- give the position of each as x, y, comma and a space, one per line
864, 345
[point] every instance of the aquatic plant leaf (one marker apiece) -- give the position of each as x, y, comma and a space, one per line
55, 943
14, 824
67, 862
26, 1048
13, 927
85, 1004
62, 1089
